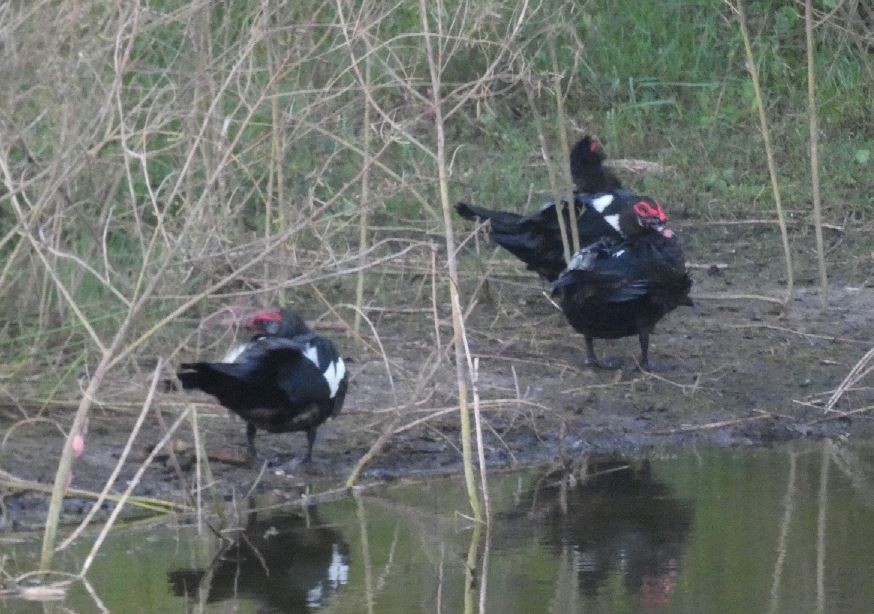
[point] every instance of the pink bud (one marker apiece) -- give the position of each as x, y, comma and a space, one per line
78, 445
667, 233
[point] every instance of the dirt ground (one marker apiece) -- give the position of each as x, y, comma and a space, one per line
733, 370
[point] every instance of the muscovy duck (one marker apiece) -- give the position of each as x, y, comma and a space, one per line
286, 378
535, 239
611, 290
587, 168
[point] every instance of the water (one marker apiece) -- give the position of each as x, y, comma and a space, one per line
772, 530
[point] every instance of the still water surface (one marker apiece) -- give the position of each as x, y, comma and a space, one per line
788, 529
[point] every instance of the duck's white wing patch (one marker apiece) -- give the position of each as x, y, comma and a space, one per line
602, 202
334, 374
613, 220
234, 353
312, 354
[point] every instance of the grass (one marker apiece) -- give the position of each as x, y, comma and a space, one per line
162, 129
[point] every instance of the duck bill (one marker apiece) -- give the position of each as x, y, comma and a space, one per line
663, 230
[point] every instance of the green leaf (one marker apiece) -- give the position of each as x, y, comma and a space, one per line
863, 156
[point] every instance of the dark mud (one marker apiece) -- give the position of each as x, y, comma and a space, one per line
731, 371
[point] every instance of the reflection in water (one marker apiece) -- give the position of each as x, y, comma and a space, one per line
744, 530
279, 562
618, 519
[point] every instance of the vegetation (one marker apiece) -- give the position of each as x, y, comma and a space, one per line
161, 162
178, 144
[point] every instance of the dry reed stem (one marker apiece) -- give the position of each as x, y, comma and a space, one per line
434, 67
814, 155
566, 194
755, 221
729, 296
738, 7
133, 483
65, 464
159, 506
566, 244
634, 165
858, 372
839, 415
799, 333
364, 82
480, 444
110, 481
198, 475
713, 425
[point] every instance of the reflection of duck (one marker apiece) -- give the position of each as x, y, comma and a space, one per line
618, 521
278, 562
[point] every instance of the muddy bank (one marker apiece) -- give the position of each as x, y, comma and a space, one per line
730, 371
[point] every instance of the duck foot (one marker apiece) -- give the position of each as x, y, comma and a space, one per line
593, 362
296, 464
614, 364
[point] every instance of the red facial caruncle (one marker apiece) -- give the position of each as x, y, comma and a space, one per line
263, 316
645, 210
653, 214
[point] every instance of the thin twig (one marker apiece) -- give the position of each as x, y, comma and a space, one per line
689, 428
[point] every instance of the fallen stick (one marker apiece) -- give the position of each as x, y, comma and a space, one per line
713, 425
838, 415
156, 505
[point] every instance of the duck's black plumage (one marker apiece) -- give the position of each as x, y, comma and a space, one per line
286, 378
535, 239
613, 290
587, 168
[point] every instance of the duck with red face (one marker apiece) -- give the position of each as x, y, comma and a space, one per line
611, 290
285, 378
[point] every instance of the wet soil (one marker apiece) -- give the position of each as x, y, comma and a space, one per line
734, 370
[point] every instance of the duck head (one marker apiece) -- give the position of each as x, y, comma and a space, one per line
276, 323
648, 214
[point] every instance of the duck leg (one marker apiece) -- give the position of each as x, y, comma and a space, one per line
311, 439
250, 440
592, 358
643, 335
